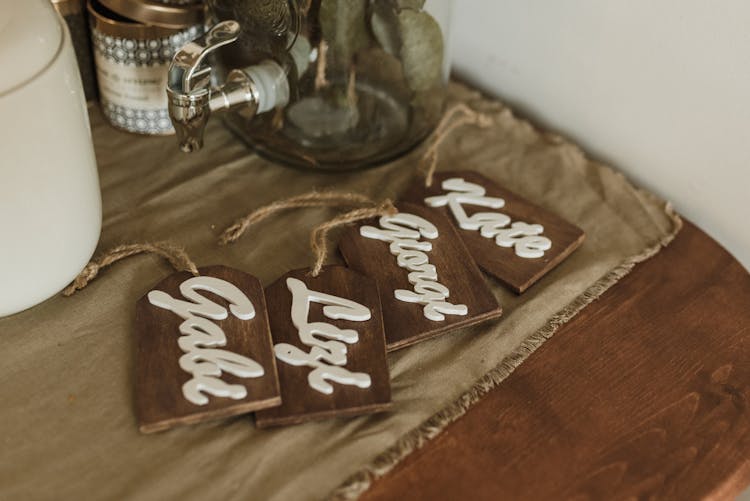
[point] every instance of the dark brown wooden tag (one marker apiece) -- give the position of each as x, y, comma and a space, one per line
203, 350
330, 346
510, 238
438, 287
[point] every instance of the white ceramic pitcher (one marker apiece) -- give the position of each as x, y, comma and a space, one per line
50, 204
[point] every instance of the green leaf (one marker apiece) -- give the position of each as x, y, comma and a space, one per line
385, 26
422, 50
344, 27
410, 4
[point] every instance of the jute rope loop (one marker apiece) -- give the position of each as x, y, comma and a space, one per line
366, 209
319, 236
466, 116
176, 256
321, 81
312, 199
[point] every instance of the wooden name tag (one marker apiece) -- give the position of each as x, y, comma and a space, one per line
428, 282
329, 341
203, 350
510, 238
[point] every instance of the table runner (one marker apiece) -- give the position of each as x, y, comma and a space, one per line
68, 425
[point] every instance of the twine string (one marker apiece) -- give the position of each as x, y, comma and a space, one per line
176, 256
179, 259
319, 236
446, 126
321, 68
365, 208
351, 89
313, 199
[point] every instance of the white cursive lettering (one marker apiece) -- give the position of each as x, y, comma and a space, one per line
525, 238
327, 357
403, 230
201, 337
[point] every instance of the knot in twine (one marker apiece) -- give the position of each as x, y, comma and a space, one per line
318, 238
176, 256
446, 126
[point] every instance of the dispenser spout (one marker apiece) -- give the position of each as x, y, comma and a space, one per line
189, 115
191, 99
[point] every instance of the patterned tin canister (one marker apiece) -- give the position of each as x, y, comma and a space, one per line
132, 59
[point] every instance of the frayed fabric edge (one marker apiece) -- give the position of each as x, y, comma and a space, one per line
384, 462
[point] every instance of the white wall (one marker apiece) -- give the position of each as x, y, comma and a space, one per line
659, 89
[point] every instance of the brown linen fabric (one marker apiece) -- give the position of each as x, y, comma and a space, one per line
68, 426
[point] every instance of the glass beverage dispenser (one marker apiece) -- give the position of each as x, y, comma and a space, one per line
323, 84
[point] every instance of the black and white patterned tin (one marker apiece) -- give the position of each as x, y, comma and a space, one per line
131, 65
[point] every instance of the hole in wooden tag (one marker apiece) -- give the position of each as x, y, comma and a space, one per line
509, 237
428, 282
329, 344
203, 349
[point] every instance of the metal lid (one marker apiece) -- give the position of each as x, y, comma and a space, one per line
110, 23
156, 13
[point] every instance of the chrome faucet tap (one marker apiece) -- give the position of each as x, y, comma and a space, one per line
191, 99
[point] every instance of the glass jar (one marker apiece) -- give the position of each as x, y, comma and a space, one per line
366, 78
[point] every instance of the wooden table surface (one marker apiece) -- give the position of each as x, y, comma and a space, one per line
645, 394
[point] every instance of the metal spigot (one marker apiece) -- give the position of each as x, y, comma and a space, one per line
191, 99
